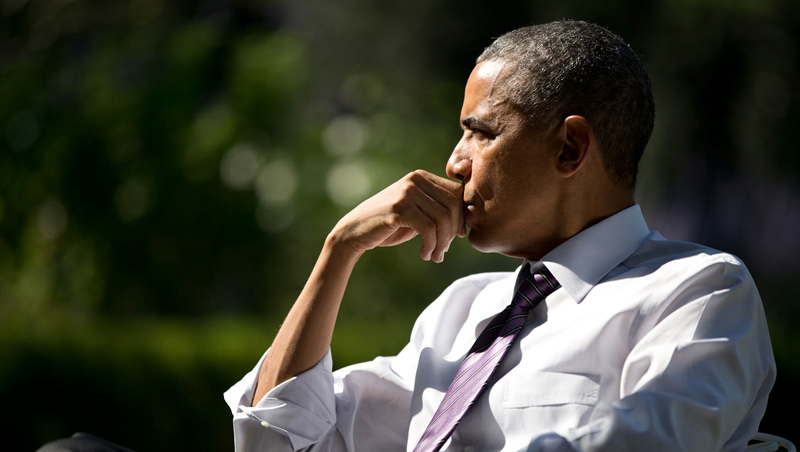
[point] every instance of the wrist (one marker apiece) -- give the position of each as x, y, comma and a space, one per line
337, 247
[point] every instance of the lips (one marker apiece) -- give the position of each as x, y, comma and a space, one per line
468, 205
469, 211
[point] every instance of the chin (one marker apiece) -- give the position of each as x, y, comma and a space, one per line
478, 246
480, 242
486, 243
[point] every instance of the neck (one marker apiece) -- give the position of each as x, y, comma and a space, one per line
589, 207
578, 212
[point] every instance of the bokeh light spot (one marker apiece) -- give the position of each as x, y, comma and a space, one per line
238, 166
276, 182
345, 136
348, 183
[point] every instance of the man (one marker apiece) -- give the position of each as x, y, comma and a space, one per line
644, 343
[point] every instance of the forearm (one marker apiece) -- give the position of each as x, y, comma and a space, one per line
305, 335
419, 204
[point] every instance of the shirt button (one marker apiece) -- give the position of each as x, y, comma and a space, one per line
469, 449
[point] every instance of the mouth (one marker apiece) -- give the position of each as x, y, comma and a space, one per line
469, 213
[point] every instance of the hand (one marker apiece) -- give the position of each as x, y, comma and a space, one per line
419, 203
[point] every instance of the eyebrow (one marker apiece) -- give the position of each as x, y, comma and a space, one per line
471, 122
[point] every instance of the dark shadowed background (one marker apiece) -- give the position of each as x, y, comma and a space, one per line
169, 170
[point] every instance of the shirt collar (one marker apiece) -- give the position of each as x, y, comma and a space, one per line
582, 261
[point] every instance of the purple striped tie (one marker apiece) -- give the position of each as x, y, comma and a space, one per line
485, 355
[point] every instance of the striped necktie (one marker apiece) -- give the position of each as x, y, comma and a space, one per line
485, 355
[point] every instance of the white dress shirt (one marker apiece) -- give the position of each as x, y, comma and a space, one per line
650, 345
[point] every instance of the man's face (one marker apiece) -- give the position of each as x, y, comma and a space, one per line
508, 169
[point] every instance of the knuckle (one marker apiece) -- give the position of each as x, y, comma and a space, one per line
418, 176
413, 176
402, 191
398, 207
408, 188
392, 220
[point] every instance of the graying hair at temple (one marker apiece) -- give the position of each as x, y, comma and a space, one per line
577, 68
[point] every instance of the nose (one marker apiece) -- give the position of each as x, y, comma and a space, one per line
459, 165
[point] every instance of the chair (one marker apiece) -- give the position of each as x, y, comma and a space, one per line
763, 442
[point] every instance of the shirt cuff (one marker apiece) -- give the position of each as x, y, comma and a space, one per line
302, 408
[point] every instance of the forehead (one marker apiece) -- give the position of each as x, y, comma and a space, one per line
485, 94
486, 80
488, 70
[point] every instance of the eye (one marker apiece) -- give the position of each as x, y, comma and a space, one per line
483, 134
477, 128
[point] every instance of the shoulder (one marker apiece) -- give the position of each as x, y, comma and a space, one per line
673, 276
685, 260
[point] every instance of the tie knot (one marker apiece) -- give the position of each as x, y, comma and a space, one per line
535, 287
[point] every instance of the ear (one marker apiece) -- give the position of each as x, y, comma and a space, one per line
578, 142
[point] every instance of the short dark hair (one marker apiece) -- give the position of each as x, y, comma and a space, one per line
577, 68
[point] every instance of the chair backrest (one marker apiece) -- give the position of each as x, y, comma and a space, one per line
763, 442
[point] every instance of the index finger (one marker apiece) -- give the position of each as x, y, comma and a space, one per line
456, 188
446, 192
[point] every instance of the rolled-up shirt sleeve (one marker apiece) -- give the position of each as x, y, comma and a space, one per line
365, 406
292, 416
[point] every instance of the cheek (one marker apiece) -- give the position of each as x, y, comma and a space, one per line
505, 179
487, 181
498, 175
517, 191
490, 171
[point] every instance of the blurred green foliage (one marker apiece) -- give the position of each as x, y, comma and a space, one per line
169, 170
